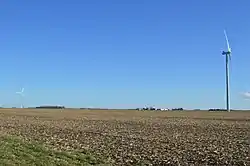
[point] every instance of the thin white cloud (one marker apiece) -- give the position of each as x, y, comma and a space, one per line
246, 95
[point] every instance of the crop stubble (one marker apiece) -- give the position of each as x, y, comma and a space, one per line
137, 138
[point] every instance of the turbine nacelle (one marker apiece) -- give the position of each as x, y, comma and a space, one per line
226, 52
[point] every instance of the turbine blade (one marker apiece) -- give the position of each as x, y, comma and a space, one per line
228, 46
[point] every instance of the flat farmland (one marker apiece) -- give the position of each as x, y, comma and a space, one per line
127, 137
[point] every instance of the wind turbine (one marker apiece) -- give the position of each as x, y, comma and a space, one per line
21, 93
227, 55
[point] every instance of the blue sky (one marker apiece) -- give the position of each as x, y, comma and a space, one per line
129, 53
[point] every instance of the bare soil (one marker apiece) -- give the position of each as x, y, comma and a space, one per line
136, 137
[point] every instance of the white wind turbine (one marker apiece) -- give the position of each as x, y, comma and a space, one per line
227, 55
21, 93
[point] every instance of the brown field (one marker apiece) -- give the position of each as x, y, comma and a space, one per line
138, 138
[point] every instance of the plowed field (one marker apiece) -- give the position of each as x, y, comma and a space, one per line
136, 137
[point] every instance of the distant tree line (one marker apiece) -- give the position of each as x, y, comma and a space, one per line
217, 109
50, 107
159, 109
177, 109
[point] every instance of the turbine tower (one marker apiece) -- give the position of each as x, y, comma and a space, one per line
227, 55
21, 96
